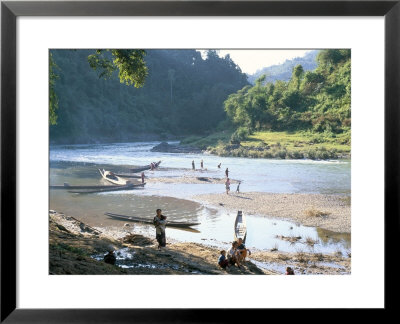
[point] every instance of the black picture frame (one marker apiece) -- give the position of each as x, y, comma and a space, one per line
10, 10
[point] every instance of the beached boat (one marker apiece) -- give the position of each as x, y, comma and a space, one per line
145, 167
111, 177
67, 186
129, 186
240, 227
148, 221
128, 175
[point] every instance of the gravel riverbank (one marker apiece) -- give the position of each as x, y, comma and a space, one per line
331, 212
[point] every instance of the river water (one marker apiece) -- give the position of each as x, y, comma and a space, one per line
78, 164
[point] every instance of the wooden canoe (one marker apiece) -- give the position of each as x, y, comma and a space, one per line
240, 227
148, 220
128, 175
144, 168
66, 186
111, 177
129, 186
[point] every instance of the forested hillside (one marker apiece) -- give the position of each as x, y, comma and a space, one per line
283, 72
307, 116
316, 100
183, 94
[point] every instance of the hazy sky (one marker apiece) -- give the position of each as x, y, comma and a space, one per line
252, 60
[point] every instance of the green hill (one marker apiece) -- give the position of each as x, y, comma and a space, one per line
183, 94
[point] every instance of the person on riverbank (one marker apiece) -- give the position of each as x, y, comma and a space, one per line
142, 177
237, 188
222, 260
227, 172
242, 251
227, 186
160, 221
110, 258
193, 167
233, 255
289, 271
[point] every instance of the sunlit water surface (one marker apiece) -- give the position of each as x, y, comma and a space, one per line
78, 164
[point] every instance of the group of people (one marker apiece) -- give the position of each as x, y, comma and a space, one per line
201, 165
228, 183
236, 255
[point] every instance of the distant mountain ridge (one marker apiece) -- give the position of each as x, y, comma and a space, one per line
284, 71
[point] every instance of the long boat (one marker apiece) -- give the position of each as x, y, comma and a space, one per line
240, 227
129, 186
128, 175
148, 221
67, 186
111, 177
145, 167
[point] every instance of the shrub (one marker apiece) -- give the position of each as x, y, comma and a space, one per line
240, 135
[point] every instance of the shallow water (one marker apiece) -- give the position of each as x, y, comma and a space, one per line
78, 164
264, 175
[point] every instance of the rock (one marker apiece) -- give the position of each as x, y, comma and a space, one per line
164, 147
61, 228
127, 225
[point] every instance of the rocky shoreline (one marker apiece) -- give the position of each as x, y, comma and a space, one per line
76, 248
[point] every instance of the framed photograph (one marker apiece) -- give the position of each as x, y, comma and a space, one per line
164, 158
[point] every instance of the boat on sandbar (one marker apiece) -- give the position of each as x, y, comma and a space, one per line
146, 167
148, 220
113, 178
240, 227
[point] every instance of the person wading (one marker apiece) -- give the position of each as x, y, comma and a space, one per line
227, 172
160, 221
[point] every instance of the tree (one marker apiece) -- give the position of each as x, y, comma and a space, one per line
53, 99
130, 64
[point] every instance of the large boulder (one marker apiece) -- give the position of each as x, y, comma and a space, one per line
164, 147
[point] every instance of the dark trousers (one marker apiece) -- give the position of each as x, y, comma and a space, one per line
161, 239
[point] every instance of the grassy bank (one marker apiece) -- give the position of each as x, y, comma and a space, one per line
282, 145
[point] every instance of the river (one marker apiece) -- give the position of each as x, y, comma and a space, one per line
78, 164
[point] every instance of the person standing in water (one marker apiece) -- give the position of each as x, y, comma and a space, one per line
201, 164
219, 166
142, 177
193, 167
227, 172
160, 221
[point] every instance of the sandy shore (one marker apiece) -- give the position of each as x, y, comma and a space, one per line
331, 212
